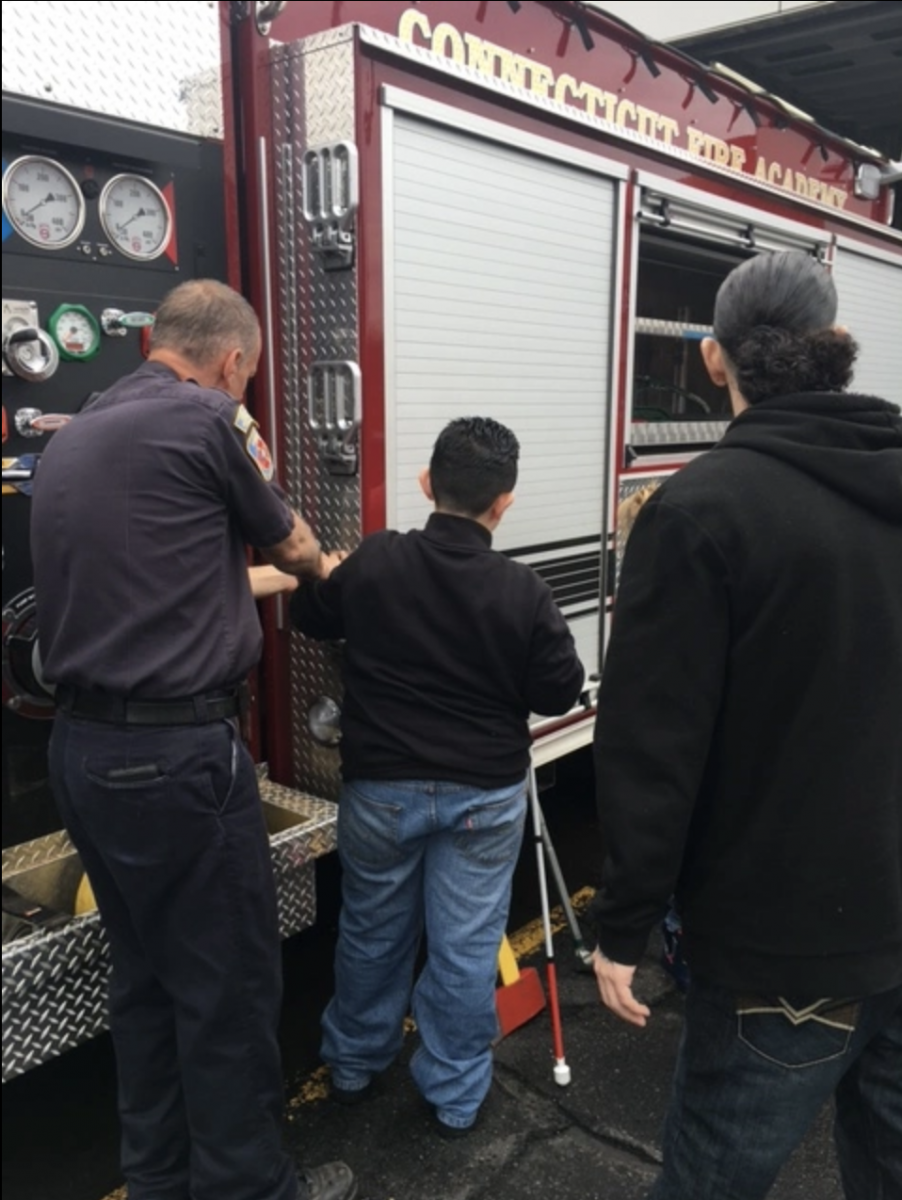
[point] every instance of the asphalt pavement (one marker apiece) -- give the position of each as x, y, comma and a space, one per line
597, 1139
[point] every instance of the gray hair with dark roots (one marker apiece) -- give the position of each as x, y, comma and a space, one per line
203, 320
774, 318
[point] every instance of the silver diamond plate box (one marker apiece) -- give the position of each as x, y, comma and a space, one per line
156, 63
55, 982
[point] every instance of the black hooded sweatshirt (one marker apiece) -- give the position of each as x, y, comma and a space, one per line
749, 737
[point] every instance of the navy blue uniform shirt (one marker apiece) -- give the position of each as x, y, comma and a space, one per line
143, 507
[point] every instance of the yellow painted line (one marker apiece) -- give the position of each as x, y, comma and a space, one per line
525, 942
531, 937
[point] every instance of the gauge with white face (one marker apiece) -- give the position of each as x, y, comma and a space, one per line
76, 332
43, 202
135, 217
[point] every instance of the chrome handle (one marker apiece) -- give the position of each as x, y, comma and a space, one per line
31, 354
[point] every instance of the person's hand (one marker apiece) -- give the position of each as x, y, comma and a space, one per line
328, 562
270, 581
615, 986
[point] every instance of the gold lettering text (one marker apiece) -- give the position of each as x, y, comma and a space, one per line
566, 90
647, 121
513, 70
541, 80
626, 114
447, 42
696, 140
482, 56
412, 22
594, 98
720, 152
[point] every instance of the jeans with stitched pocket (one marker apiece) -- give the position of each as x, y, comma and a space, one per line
749, 1084
422, 857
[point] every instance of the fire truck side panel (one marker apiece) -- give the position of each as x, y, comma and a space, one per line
870, 304
500, 292
313, 105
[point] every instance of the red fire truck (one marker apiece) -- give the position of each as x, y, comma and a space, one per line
521, 210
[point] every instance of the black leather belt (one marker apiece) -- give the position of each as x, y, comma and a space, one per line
116, 710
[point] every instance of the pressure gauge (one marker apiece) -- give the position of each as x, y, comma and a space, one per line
43, 202
136, 217
76, 332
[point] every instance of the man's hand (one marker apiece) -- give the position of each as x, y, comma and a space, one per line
615, 986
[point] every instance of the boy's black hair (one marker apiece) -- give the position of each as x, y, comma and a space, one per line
473, 463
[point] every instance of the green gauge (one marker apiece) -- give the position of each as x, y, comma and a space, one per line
76, 332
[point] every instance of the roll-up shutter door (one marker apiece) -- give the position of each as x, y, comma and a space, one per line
870, 304
500, 298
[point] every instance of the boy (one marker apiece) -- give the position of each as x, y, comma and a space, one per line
449, 647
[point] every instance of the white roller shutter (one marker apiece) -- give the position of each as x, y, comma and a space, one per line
500, 290
870, 304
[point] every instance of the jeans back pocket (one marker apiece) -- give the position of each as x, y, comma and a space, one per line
797, 1040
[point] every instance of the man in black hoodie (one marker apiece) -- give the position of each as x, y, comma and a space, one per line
749, 755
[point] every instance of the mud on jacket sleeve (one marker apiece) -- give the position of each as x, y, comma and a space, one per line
555, 673
658, 705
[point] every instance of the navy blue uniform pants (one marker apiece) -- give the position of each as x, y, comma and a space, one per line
170, 829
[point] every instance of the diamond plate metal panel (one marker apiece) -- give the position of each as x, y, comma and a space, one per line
313, 105
54, 993
677, 433
55, 983
160, 61
50, 849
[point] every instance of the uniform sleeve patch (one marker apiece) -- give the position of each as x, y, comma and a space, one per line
243, 421
259, 454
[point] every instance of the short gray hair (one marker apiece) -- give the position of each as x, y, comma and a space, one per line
202, 320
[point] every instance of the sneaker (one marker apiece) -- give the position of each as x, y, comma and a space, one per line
333, 1181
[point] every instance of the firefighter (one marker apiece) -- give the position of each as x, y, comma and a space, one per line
748, 754
148, 627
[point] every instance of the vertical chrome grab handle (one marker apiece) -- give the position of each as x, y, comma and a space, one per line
272, 411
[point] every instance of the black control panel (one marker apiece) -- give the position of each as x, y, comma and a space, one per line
101, 218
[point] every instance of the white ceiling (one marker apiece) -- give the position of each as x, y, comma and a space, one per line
661, 20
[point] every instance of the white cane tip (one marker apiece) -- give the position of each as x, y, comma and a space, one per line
562, 1074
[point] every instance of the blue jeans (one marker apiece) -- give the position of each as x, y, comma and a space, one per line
748, 1086
170, 829
426, 856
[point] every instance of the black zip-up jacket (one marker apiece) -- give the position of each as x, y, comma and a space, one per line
749, 736
449, 647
